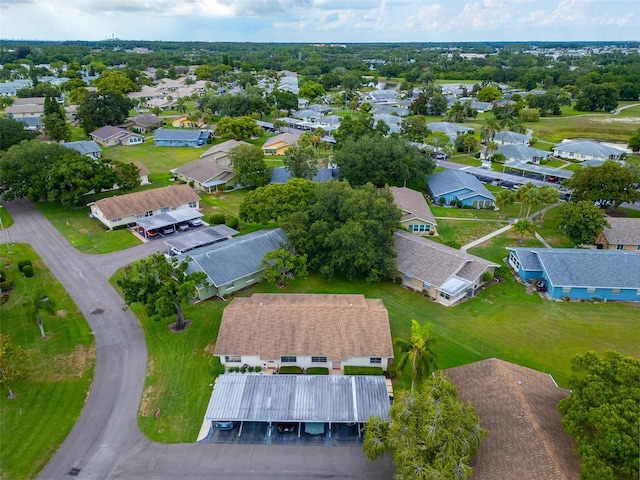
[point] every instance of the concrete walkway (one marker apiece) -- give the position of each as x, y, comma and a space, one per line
485, 238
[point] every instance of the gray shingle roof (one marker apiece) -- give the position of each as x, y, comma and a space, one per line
282, 175
522, 152
413, 205
588, 147
511, 137
435, 263
450, 181
83, 146
235, 258
203, 170
623, 231
163, 134
572, 267
448, 128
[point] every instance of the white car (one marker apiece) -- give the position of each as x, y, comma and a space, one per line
196, 222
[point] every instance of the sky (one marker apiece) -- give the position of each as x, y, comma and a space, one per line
317, 21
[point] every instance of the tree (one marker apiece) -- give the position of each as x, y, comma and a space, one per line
161, 285
12, 132
466, 142
275, 202
634, 142
381, 160
607, 185
73, 176
14, 363
98, 109
286, 100
346, 231
505, 198
582, 222
548, 196
243, 128
489, 93
597, 97
420, 104
301, 162
249, 166
524, 227
311, 90
37, 303
414, 128
460, 112
603, 414
115, 81
431, 434
418, 352
282, 264
127, 176
354, 128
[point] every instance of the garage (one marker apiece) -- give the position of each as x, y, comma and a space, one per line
294, 409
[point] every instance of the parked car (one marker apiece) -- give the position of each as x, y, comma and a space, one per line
196, 222
287, 427
314, 428
152, 233
168, 230
224, 425
182, 226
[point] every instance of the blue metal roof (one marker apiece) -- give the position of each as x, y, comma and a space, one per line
164, 134
450, 181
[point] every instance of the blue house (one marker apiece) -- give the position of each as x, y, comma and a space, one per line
580, 274
180, 138
457, 186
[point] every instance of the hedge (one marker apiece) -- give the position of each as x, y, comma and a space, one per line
23, 263
317, 371
217, 219
290, 370
28, 271
351, 370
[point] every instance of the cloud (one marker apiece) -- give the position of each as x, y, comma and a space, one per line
429, 16
332, 17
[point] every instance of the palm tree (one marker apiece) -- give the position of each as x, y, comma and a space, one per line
35, 305
548, 196
418, 351
490, 147
505, 198
524, 227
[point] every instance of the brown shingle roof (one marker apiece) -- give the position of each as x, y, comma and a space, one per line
433, 262
143, 170
623, 231
338, 326
412, 204
222, 149
202, 170
517, 406
140, 202
286, 137
145, 121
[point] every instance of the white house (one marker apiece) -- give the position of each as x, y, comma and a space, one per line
587, 150
305, 330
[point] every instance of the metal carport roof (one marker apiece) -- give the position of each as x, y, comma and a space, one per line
164, 219
508, 177
529, 167
298, 398
200, 238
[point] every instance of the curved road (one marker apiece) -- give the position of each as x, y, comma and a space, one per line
105, 442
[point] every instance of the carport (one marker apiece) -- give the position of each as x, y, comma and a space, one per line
540, 170
199, 238
328, 399
162, 220
507, 177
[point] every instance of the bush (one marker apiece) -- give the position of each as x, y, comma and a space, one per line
23, 263
217, 219
317, 371
232, 222
392, 370
398, 281
7, 285
351, 370
290, 370
487, 276
442, 200
257, 369
215, 366
530, 115
28, 271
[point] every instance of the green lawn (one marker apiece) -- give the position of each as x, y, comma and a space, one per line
158, 160
599, 126
48, 403
5, 219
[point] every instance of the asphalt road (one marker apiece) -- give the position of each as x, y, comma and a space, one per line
106, 443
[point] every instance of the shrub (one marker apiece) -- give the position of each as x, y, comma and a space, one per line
442, 200
257, 369
28, 271
487, 276
215, 366
23, 263
530, 115
232, 222
398, 280
234, 369
243, 368
217, 219
317, 371
392, 370
351, 370
7, 285
290, 370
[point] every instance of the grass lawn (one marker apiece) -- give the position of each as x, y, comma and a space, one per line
49, 402
599, 126
5, 219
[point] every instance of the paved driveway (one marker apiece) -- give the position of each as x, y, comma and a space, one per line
106, 443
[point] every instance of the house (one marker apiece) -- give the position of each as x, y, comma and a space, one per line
143, 123
233, 264
32, 123
381, 96
88, 148
143, 172
206, 176
508, 137
416, 215
180, 138
457, 186
280, 143
518, 408
220, 153
587, 150
577, 274
183, 121
392, 121
521, 153
18, 112
280, 175
109, 136
305, 330
621, 234
443, 273
162, 103
122, 210
452, 130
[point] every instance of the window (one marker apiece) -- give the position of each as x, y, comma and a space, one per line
119, 219
445, 295
149, 213
566, 289
232, 359
426, 285
375, 360
420, 228
407, 278
318, 359
164, 209
591, 290
514, 261
615, 291
288, 359
193, 204
620, 247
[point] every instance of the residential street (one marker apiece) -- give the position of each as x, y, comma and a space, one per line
106, 442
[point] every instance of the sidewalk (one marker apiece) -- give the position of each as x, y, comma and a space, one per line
480, 240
